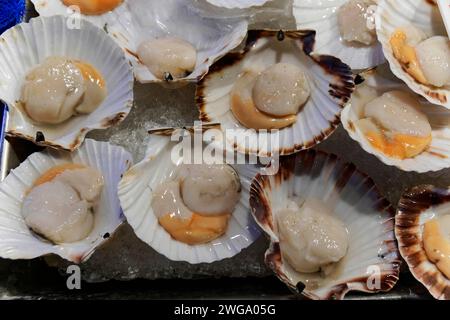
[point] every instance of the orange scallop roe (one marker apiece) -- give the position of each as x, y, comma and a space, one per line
400, 146
196, 230
93, 7
436, 246
52, 173
250, 117
407, 56
90, 73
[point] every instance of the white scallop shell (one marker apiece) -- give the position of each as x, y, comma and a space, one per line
28, 44
240, 4
435, 158
145, 20
322, 17
417, 206
354, 199
135, 194
48, 8
423, 14
331, 83
18, 242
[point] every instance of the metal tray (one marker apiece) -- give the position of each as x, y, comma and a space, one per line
148, 274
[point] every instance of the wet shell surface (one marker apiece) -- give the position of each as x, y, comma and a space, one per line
18, 242
48, 8
424, 15
355, 201
144, 20
322, 16
330, 81
239, 4
28, 44
136, 194
436, 157
416, 207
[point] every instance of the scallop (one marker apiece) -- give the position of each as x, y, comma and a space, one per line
330, 230
170, 42
426, 60
195, 208
273, 92
353, 22
62, 203
281, 90
311, 238
344, 28
210, 190
394, 124
168, 58
397, 126
433, 55
60, 88
52, 91
180, 222
192, 212
407, 31
270, 99
399, 111
61, 209
422, 228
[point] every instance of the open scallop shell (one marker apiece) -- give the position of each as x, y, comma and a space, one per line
424, 15
48, 8
322, 17
18, 242
331, 83
28, 44
435, 158
239, 4
145, 20
355, 200
135, 193
416, 207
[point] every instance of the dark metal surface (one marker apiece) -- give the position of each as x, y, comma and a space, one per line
35, 280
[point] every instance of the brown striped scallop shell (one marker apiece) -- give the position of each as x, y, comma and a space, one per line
381, 80
423, 14
417, 206
331, 82
356, 201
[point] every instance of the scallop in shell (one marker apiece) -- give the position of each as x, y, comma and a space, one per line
22, 51
307, 93
19, 242
422, 229
344, 29
433, 155
345, 228
154, 36
407, 31
143, 192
